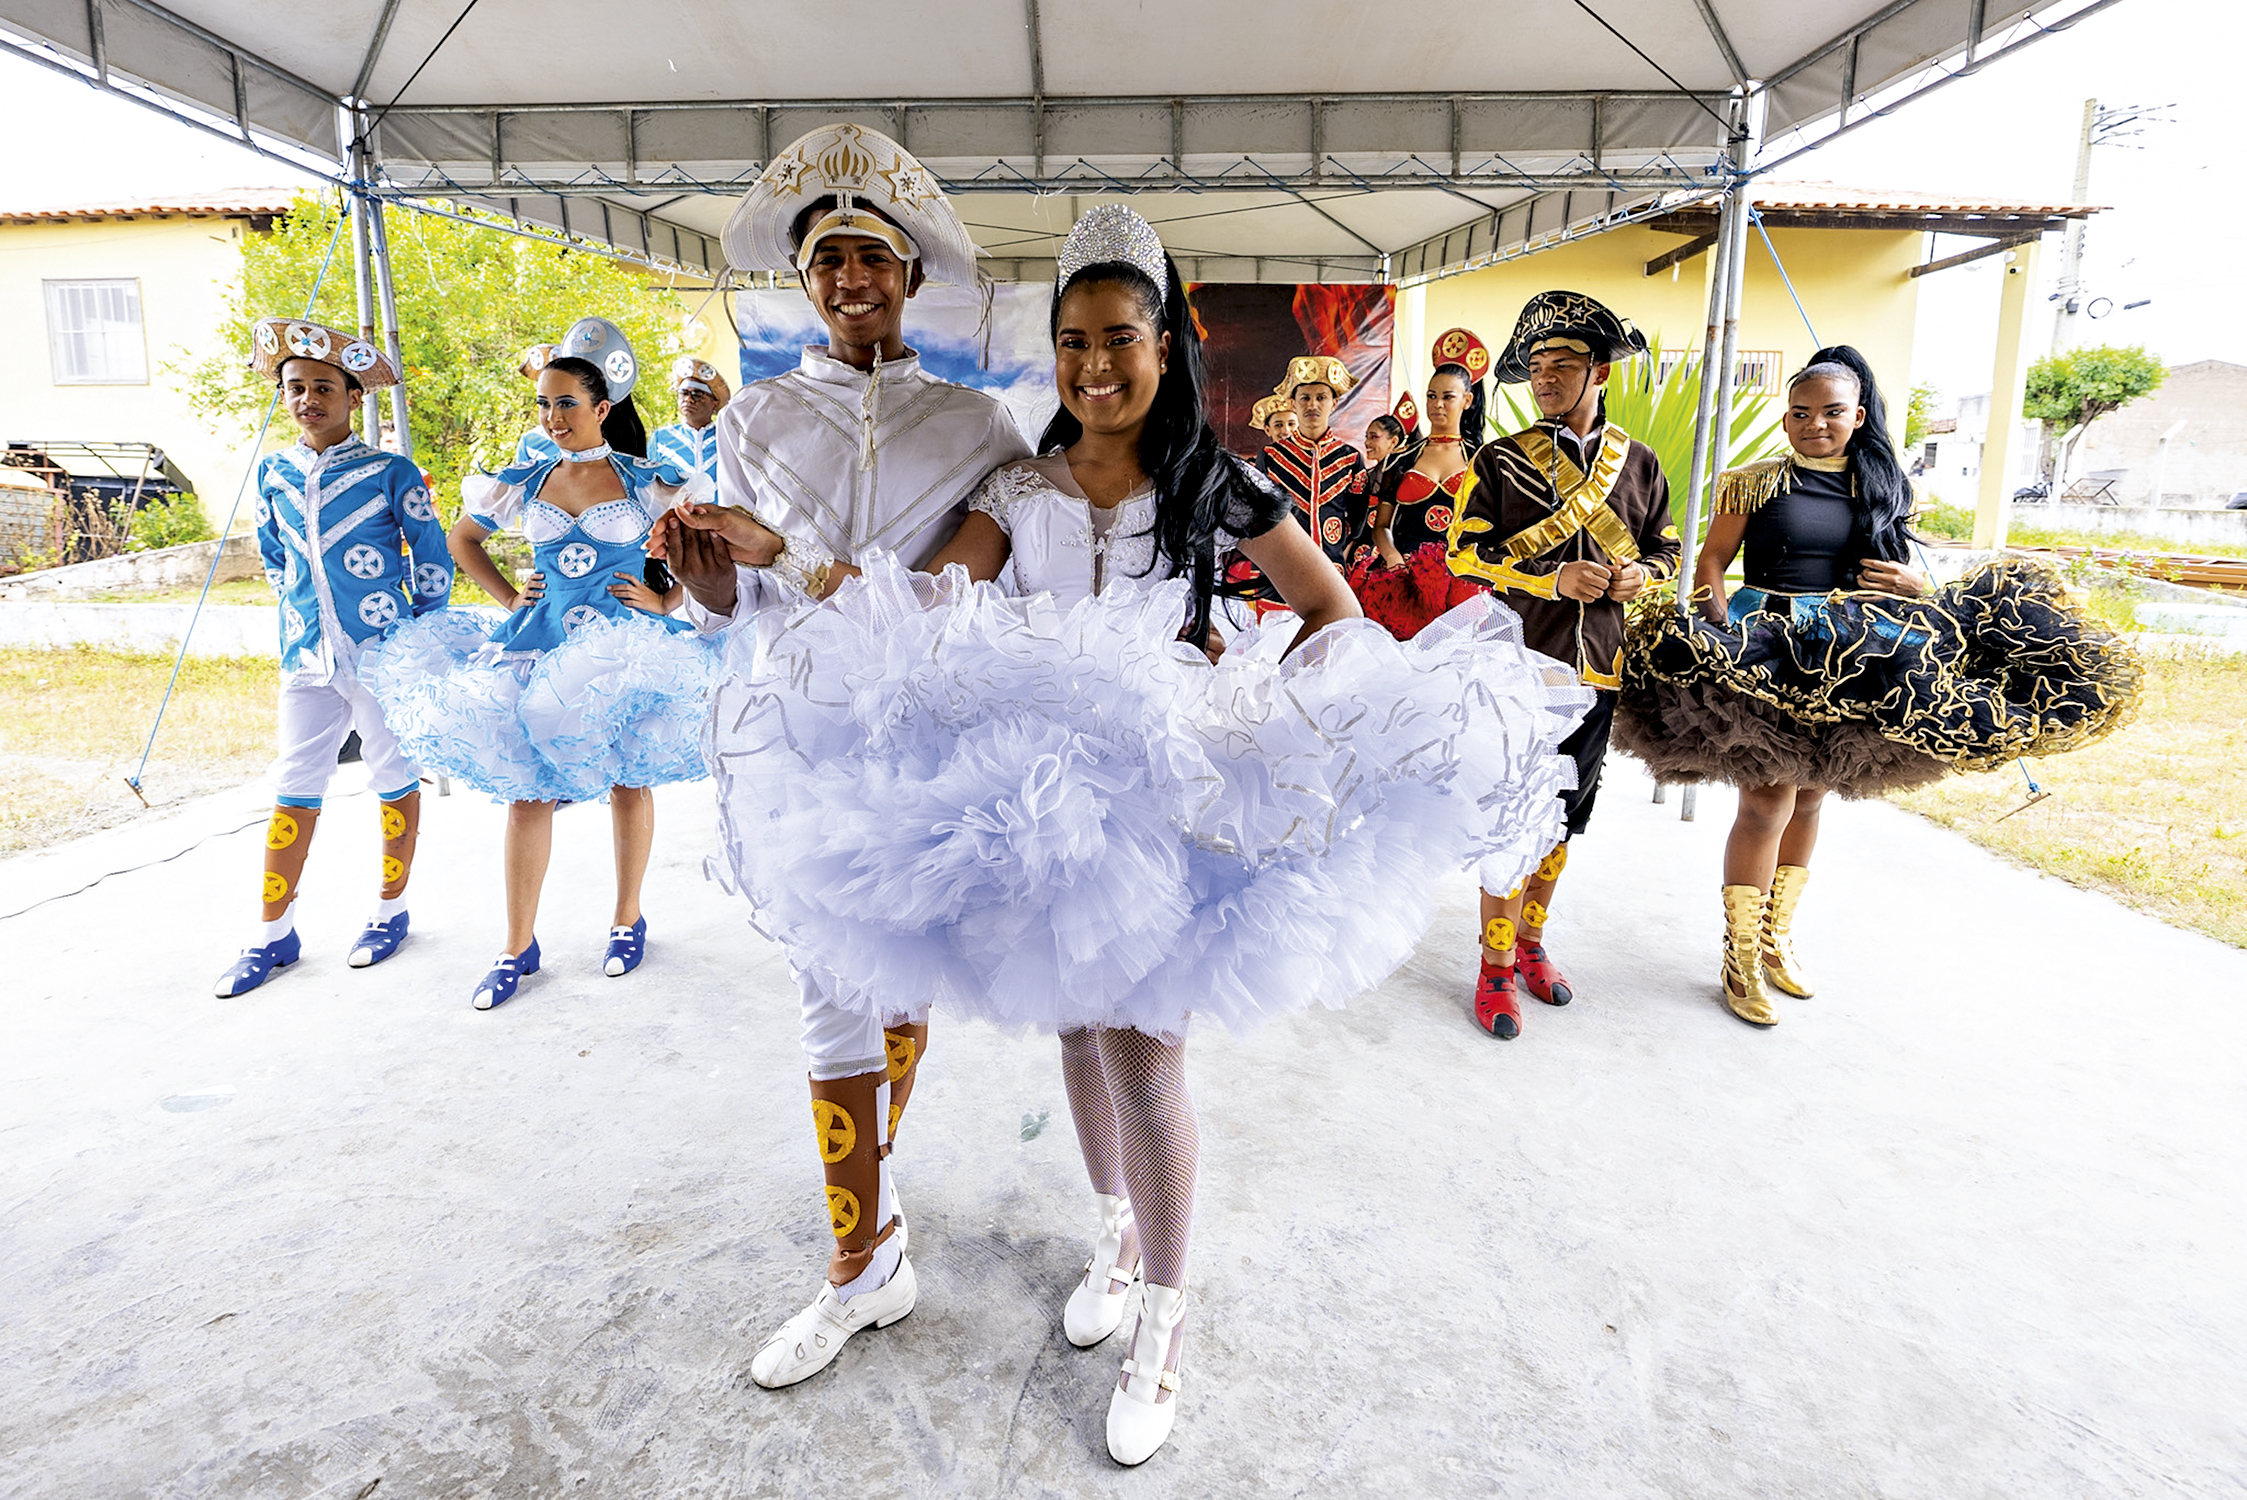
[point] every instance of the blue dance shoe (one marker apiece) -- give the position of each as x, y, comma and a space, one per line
498, 987
378, 942
256, 965
627, 946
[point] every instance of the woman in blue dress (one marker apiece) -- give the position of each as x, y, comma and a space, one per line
588, 689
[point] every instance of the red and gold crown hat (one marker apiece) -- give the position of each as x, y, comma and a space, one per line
276, 341
1459, 346
1407, 413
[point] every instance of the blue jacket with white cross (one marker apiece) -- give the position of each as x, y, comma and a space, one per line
335, 530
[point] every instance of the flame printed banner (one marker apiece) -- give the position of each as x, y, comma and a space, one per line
1250, 331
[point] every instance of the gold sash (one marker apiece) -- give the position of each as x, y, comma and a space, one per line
1583, 497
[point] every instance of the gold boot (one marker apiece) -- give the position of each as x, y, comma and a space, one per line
1780, 965
1744, 994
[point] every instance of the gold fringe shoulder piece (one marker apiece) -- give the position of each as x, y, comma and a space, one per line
1744, 491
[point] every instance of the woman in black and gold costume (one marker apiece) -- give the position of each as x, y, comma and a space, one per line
1838, 669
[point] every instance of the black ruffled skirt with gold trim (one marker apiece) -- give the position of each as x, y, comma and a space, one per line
1864, 693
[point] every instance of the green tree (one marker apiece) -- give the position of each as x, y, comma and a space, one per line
470, 300
2068, 392
1918, 408
1660, 413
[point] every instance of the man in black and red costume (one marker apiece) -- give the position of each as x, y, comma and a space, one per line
1324, 475
1569, 520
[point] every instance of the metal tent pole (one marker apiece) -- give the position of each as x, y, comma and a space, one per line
387, 293
1747, 136
362, 268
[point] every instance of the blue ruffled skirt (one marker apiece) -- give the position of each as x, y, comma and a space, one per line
933, 792
620, 703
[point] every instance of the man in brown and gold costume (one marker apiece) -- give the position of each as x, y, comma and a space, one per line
1568, 520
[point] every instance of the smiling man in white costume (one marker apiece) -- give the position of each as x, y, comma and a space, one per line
857, 448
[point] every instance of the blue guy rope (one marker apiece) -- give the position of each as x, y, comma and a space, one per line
1784, 280
226, 533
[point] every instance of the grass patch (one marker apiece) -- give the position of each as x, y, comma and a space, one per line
2031, 535
2155, 815
246, 591
72, 723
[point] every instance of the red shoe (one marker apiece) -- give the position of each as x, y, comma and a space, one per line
1540, 975
1495, 1011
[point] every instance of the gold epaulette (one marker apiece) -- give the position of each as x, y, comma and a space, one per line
1744, 491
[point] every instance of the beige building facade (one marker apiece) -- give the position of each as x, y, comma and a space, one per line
106, 306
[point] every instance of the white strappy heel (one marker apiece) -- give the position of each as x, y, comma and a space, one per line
1096, 1304
1139, 1422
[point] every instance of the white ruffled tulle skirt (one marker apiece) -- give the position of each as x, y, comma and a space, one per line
620, 703
933, 792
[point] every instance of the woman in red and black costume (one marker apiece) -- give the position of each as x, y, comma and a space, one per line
1407, 582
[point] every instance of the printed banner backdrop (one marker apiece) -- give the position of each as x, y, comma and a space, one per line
1251, 330
1249, 333
941, 324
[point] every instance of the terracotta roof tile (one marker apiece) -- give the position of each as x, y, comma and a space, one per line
227, 203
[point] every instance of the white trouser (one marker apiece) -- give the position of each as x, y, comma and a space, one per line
315, 717
840, 1041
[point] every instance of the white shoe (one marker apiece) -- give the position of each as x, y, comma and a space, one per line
808, 1342
1096, 1304
1138, 1422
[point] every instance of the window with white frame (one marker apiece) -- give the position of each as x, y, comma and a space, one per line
94, 332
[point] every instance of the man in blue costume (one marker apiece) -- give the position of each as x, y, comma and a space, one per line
692, 441
352, 545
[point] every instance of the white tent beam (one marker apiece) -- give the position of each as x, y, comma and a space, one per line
1723, 42
378, 41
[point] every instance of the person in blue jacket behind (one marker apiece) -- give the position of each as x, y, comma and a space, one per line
352, 546
692, 441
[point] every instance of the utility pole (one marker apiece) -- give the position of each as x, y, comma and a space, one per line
2070, 286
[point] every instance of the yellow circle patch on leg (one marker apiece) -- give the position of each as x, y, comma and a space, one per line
837, 1131
1498, 934
276, 887
899, 1048
393, 869
393, 822
842, 1211
280, 833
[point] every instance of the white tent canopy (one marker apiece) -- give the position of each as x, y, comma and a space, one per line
1327, 140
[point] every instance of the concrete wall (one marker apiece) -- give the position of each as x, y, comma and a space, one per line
187, 269
2205, 463
2186, 527
222, 630
184, 566
1853, 285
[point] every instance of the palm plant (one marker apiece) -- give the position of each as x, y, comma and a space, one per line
1658, 411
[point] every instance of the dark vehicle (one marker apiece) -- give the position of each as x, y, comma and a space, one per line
2238, 500
2033, 492
101, 486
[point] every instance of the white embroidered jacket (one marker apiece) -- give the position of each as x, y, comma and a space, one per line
839, 461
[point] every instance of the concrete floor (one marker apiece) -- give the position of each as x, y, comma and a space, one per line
1970, 1223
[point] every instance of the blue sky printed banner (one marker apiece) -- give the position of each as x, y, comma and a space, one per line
940, 323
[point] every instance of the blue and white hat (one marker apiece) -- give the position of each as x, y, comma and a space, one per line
604, 344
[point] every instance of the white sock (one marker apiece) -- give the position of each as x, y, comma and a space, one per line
878, 1270
389, 907
885, 1207
273, 931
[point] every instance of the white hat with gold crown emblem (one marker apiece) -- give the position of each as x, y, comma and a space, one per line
880, 191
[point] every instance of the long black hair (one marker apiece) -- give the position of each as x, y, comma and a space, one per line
622, 429
1882, 496
1473, 423
1200, 487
